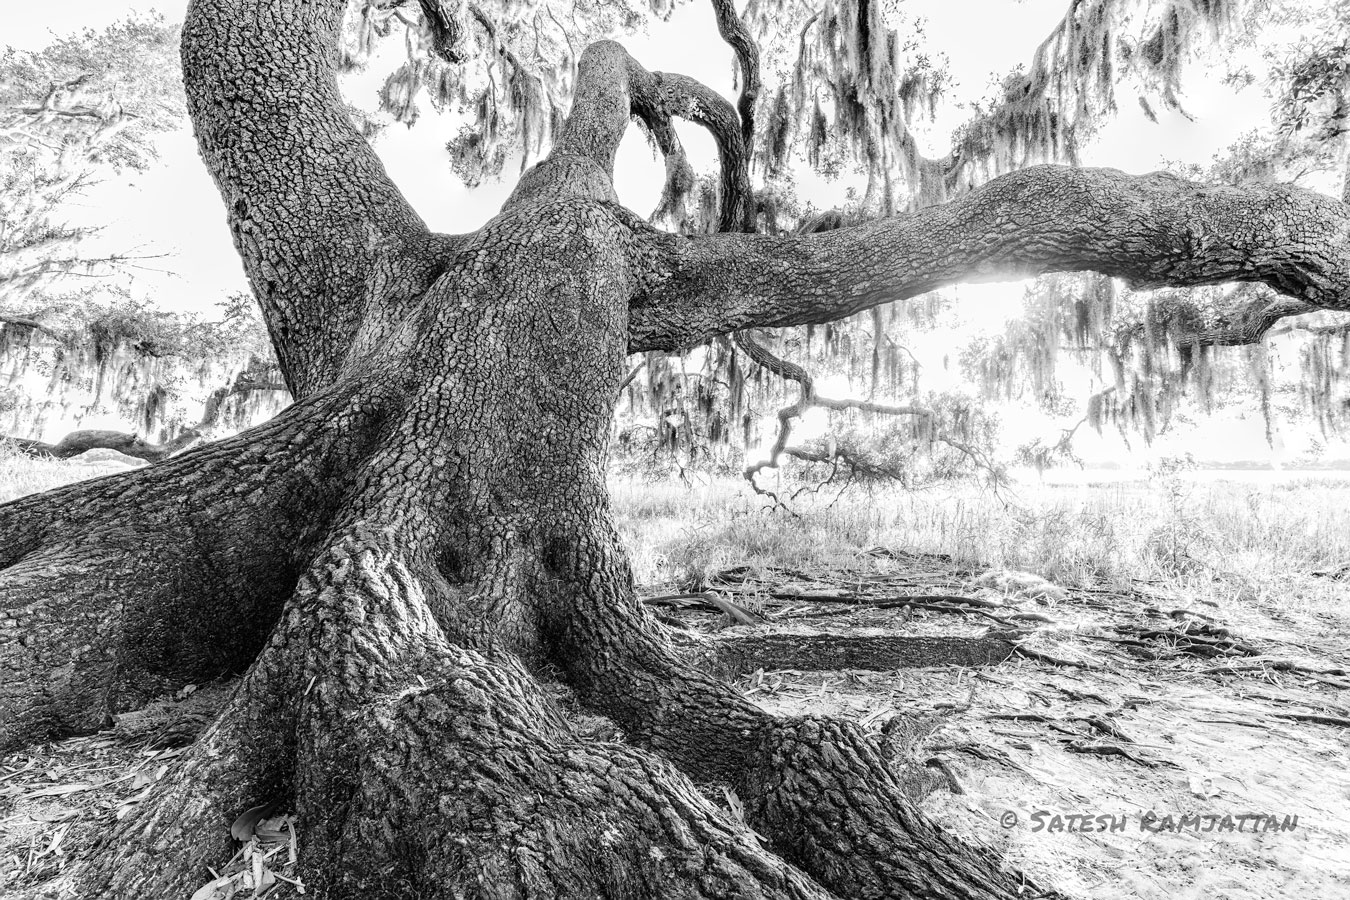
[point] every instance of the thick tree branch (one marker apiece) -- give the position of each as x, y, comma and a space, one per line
611, 88
734, 32
1151, 230
327, 239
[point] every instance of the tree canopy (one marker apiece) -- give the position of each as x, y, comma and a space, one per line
842, 87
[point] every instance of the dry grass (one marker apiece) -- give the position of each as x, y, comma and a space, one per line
21, 474
1216, 541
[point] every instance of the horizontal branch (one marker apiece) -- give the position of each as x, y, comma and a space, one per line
1150, 230
1245, 317
77, 442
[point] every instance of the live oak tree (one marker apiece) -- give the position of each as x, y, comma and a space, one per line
414, 567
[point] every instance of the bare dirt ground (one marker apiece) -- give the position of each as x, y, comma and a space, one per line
1133, 745
1130, 710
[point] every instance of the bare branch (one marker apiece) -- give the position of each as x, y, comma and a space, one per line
633, 373
808, 400
1151, 230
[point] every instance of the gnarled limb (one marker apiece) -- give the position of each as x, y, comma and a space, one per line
334, 252
611, 88
831, 453
78, 442
734, 32
1151, 230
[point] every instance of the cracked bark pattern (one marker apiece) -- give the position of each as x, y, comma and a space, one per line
114, 589
333, 251
399, 561
1151, 230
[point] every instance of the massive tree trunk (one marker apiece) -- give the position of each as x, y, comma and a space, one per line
411, 565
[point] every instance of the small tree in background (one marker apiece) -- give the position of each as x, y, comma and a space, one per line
86, 105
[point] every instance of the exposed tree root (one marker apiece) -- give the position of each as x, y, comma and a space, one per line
818, 790
78, 442
419, 766
119, 589
450, 774
730, 653
833, 806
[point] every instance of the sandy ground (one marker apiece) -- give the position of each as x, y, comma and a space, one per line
1147, 731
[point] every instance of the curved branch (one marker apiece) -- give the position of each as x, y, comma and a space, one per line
1151, 230
808, 400
612, 87
77, 442
326, 237
1247, 323
733, 31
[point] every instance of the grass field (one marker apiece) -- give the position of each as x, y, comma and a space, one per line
1213, 539
21, 474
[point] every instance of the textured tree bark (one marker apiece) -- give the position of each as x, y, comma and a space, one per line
114, 590
411, 563
1151, 230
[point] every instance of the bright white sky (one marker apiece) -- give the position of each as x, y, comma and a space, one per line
174, 210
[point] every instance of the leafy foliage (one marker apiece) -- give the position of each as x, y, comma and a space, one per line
88, 103
93, 96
